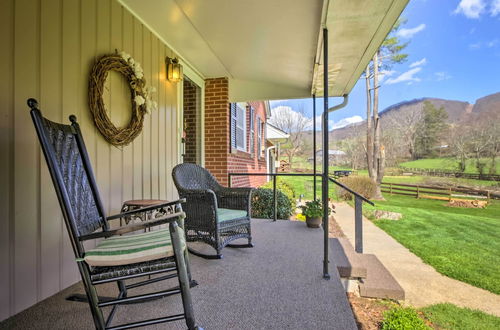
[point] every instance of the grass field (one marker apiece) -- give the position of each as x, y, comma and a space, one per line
447, 164
448, 316
458, 242
304, 186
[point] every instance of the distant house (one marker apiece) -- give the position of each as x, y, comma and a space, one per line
274, 138
332, 154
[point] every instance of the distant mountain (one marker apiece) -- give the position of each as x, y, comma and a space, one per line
487, 104
457, 111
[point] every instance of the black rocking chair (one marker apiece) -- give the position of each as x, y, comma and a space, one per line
160, 252
215, 215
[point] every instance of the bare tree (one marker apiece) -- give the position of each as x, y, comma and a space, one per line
406, 123
480, 141
294, 123
354, 150
390, 52
459, 145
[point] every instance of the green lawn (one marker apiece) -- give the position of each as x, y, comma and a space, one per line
448, 316
447, 164
458, 242
305, 186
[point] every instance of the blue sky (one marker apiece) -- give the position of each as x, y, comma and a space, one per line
454, 53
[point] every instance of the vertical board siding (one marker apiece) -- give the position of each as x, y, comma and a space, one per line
146, 140
26, 150
49, 49
6, 160
51, 96
70, 89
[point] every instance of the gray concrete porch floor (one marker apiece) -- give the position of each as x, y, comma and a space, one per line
277, 284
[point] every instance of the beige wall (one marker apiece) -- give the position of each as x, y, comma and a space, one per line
48, 47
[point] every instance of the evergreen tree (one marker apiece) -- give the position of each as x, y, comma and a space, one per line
431, 130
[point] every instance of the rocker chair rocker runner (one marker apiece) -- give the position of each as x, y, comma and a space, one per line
117, 257
215, 215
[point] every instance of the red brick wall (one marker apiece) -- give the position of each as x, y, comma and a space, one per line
217, 127
189, 121
248, 161
218, 157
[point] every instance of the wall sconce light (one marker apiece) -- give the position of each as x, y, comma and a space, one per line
174, 70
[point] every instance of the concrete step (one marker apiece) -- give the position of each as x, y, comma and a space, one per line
375, 280
379, 282
349, 263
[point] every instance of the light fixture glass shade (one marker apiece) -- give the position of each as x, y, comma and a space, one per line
174, 70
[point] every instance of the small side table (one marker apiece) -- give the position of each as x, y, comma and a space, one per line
139, 204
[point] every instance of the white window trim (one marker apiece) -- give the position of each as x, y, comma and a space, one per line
243, 107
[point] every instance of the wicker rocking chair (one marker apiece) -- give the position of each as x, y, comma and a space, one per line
214, 214
116, 258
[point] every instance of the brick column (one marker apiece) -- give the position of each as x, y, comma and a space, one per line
217, 121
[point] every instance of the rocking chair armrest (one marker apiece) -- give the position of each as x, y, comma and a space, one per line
145, 209
235, 198
200, 195
235, 192
135, 226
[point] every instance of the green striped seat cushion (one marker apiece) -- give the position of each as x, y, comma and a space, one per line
130, 249
229, 214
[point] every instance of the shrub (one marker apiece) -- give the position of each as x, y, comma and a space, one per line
403, 319
284, 188
363, 185
262, 204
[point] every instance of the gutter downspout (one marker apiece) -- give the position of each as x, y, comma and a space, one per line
268, 156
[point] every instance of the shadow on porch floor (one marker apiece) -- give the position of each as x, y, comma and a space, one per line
276, 285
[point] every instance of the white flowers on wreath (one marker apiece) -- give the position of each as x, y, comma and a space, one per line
146, 91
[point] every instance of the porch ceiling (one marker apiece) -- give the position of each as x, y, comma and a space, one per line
268, 49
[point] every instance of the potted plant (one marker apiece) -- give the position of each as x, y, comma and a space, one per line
313, 210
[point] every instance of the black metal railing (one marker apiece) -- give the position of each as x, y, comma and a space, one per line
358, 200
358, 214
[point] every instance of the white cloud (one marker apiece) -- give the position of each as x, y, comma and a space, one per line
440, 76
341, 123
476, 45
319, 119
408, 76
470, 8
385, 74
495, 8
492, 43
419, 63
408, 33
347, 121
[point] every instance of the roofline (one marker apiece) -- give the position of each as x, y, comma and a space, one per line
277, 128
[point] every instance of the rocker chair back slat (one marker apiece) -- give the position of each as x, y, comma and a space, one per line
72, 175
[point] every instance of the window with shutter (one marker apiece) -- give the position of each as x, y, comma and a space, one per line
252, 131
240, 127
233, 125
259, 137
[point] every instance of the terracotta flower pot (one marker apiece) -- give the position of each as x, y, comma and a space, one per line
313, 222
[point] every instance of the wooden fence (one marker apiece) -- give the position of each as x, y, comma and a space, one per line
452, 174
434, 192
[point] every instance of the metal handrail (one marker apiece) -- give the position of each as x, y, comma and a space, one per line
351, 191
358, 201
